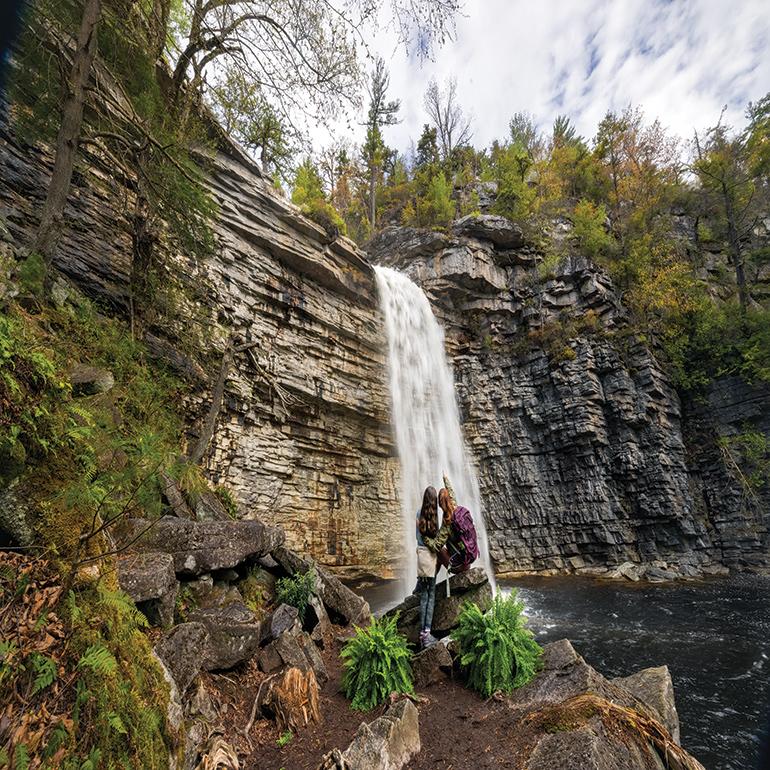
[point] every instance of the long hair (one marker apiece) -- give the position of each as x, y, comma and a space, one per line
428, 524
447, 506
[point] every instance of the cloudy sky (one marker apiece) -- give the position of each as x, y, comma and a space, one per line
680, 60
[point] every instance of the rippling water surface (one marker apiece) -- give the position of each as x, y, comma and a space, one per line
713, 635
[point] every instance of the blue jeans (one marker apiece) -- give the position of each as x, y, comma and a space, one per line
426, 587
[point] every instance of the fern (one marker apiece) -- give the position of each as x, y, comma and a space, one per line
99, 659
296, 591
499, 653
21, 757
116, 723
45, 672
376, 663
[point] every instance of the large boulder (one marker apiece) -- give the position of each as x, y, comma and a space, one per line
431, 665
149, 579
388, 743
234, 635
489, 227
472, 586
90, 380
182, 651
342, 604
655, 689
201, 546
293, 649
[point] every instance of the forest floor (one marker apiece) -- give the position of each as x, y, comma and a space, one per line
458, 729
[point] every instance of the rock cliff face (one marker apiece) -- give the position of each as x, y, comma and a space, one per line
585, 460
303, 438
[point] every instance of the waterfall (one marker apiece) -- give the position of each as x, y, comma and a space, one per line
424, 411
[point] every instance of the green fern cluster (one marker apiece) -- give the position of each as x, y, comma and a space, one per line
376, 663
296, 591
498, 652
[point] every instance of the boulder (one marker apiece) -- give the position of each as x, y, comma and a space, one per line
589, 747
388, 743
234, 635
284, 619
472, 586
208, 507
431, 665
149, 579
182, 651
655, 689
659, 575
175, 497
202, 546
297, 650
489, 227
341, 603
631, 571
90, 380
317, 619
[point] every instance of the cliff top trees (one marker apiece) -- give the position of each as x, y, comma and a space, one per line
381, 112
451, 123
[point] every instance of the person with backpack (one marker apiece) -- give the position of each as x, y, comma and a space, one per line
427, 530
456, 542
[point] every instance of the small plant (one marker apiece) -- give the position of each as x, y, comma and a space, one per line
286, 738
376, 663
254, 589
296, 591
499, 653
226, 498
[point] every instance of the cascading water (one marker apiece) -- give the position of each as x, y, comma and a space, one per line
424, 411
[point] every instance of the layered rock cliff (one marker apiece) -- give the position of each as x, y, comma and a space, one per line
587, 459
303, 437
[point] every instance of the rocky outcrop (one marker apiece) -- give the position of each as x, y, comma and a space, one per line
233, 635
471, 586
303, 436
150, 581
581, 720
587, 460
198, 547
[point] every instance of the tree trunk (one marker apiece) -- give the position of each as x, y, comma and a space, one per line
736, 253
372, 196
49, 231
161, 10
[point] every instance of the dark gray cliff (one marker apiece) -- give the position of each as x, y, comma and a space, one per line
303, 439
584, 460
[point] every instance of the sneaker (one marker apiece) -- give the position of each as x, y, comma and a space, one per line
427, 640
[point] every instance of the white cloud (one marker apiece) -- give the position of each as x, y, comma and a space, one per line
679, 60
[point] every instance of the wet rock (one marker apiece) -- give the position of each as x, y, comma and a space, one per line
630, 571
387, 743
654, 688
202, 546
341, 603
658, 575
149, 579
234, 635
90, 380
182, 652
431, 665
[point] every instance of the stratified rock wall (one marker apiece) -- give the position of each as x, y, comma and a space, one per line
576, 430
303, 438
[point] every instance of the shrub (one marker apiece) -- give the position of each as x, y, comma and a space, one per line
499, 653
376, 663
296, 591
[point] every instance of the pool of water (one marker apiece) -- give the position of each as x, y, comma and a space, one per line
713, 635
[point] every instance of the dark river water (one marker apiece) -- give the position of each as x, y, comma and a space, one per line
713, 635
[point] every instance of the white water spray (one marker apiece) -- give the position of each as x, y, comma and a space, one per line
424, 412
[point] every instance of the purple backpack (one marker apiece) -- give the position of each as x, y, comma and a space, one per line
464, 531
